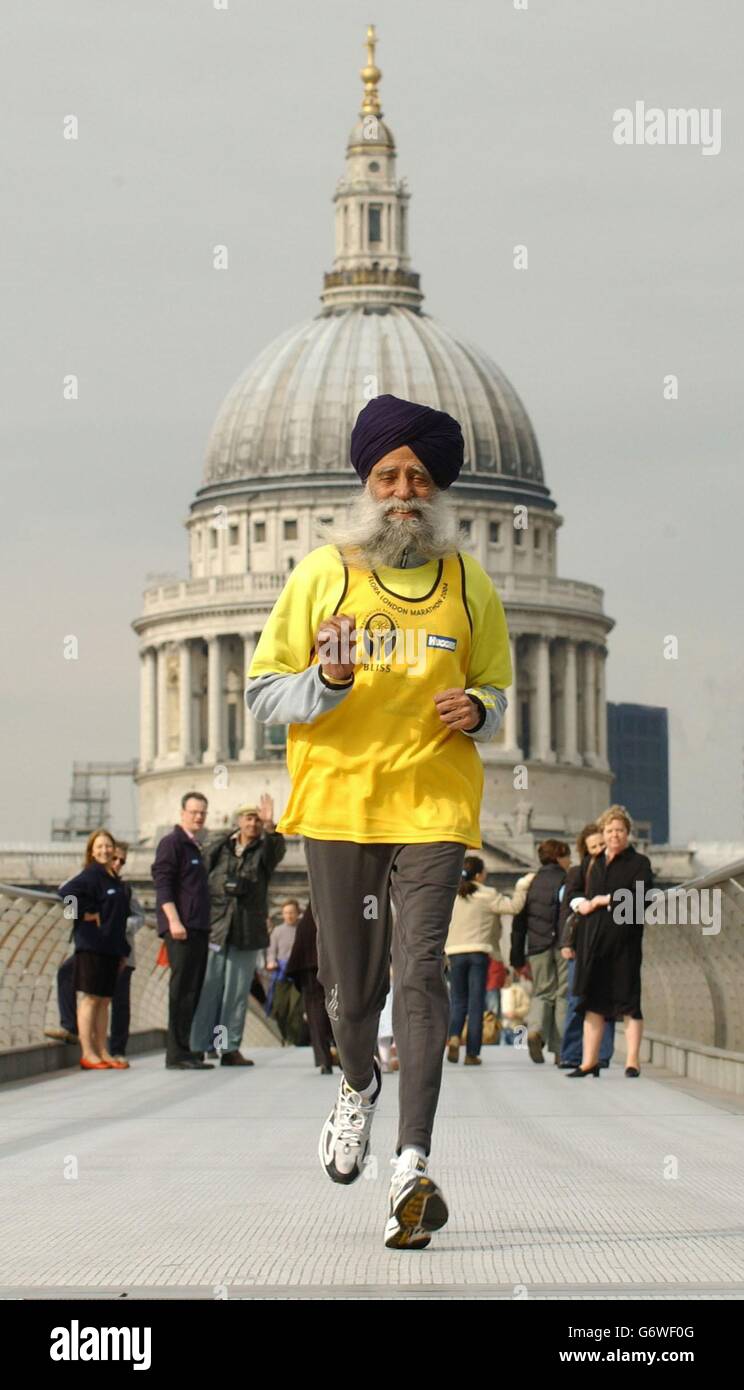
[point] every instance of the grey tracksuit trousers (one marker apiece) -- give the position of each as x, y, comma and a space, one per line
354, 889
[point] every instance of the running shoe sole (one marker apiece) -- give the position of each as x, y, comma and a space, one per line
420, 1208
397, 1237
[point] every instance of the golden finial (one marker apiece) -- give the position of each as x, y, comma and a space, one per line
370, 76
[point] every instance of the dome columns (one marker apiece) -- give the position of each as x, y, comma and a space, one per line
511, 748
557, 712
543, 751
185, 702
570, 748
148, 707
249, 746
215, 713
594, 707
161, 722
192, 705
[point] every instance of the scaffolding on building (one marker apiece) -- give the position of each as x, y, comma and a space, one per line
90, 798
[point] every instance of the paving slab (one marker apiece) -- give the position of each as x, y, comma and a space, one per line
208, 1184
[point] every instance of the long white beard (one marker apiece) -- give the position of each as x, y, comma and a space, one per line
370, 536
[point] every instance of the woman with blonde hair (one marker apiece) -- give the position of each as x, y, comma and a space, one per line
474, 939
589, 843
607, 979
100, 904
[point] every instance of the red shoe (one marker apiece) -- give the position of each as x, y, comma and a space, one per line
93, 1066
116, 1066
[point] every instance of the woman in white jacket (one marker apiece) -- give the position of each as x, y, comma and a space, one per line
473, 940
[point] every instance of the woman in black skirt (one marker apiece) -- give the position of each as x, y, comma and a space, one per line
607, 978
100, 904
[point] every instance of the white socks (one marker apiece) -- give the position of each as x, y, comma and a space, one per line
368, 1091
409, 1154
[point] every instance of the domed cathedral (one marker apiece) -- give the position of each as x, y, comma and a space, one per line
278, 465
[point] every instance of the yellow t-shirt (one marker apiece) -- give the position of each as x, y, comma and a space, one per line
382, 767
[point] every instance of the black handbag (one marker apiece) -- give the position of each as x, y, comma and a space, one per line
569, 930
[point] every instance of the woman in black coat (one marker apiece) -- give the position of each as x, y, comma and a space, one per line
99, 903
607, 979
589, 843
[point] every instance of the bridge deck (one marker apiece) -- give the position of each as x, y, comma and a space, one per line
188, 1182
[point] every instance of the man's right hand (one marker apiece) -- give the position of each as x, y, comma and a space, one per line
334, 634
178, 931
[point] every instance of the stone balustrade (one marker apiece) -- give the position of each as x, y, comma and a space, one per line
182, 593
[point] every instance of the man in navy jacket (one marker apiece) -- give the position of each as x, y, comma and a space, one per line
182, 901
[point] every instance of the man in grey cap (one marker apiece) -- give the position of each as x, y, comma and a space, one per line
239, 866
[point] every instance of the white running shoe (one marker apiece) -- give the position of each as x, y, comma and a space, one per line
416, 1206
344, 1138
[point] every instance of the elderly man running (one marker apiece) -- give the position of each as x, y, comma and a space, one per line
387, 654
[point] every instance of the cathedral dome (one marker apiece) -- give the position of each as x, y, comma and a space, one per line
292, 411
290, 415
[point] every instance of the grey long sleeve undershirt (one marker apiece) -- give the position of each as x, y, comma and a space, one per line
300, 698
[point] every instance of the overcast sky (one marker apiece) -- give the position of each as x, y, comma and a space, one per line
200, 126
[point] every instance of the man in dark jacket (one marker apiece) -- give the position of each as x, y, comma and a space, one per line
239, 866
535, 934
182, 901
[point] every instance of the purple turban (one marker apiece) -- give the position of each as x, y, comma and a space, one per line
387, 423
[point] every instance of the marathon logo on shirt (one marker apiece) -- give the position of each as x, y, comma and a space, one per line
381, 643
380, 637
76, 1343
448, 644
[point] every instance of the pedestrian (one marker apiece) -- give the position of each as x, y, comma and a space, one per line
302, 970
473, 940
387, 654
120, 1008
121, 1002
609, 950
535, 934
590, 842
495, 981
66, 1005
515, 1006
284, 1001
239, 868
182, 901
100, 906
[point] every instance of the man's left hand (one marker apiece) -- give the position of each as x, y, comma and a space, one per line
456, 709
